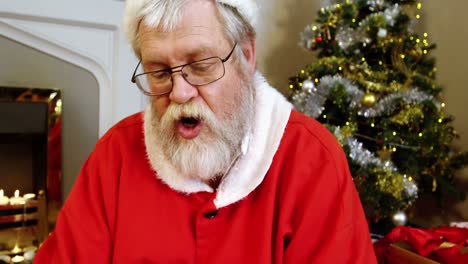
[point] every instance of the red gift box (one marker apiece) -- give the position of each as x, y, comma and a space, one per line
414, 245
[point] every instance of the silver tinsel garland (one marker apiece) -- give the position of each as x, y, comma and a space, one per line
388, 103
308, 37
364, 157
389, 15
347, 36
353, 92
311, 101
411, 189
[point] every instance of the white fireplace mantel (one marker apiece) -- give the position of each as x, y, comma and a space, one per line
84, 33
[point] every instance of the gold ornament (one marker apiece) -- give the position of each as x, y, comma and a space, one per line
369, 100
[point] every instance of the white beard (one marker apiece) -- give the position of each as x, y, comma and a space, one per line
212, 152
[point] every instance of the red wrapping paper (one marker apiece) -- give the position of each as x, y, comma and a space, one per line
443, 244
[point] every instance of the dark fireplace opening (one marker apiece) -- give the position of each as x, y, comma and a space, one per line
23, 147
23, 163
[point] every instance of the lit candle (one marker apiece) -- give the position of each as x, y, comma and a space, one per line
3, 199
29, 196
17, 199
17, 259
16, 249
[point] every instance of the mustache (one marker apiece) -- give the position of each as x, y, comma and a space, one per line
175, 112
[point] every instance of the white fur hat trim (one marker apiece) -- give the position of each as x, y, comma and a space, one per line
247, 8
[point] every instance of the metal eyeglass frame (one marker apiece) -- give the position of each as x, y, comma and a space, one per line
171, 71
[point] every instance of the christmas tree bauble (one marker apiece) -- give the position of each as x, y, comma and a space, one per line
308, 85
369, 100
399, 218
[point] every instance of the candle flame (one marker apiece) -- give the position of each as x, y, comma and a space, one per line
16, 193
1, 193
16, 249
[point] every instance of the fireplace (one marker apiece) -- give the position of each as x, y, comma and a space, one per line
30, 163
23, 146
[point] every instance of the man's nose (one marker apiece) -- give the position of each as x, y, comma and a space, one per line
182, 91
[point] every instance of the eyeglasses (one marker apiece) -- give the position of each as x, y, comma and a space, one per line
202, 72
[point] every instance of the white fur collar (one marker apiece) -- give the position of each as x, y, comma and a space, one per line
258, 150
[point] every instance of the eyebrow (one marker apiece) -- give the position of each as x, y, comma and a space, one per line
191, 55
199, 50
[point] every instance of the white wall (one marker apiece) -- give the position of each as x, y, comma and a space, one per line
77, 46
91, 30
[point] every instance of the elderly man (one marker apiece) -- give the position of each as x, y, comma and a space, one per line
218, 168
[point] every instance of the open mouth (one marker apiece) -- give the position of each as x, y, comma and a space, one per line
189, 127
190, 122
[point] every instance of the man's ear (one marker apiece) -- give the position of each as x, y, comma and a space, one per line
249, 50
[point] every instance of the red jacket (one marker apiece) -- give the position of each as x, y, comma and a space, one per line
304, 210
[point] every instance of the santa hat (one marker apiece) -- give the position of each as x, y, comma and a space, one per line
246, 8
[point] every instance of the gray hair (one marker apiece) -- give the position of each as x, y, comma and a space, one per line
166, 14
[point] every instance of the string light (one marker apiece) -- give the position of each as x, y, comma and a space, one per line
314, 28
425, 34
291, 86
316, 80
420, 134
394, 133
418, 16
372, 125
419, 6
443, 105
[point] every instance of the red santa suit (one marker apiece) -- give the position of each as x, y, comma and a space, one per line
289, 198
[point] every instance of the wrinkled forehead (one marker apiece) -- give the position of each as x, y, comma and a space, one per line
196, 35
196, 13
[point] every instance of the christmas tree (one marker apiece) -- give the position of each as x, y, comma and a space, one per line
373, 86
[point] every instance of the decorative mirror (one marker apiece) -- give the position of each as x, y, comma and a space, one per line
30, 166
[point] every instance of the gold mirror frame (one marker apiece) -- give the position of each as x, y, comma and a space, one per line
52, 185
